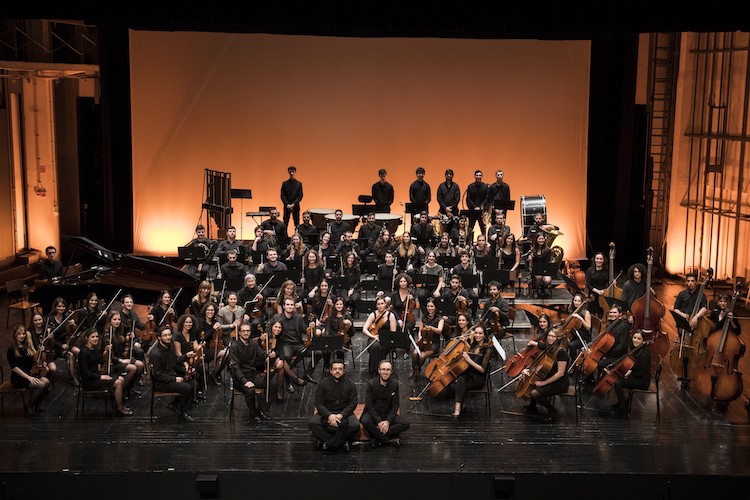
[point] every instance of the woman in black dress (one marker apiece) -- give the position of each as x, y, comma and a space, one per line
478, 357
540, 255
429, 326
556, 380
22, 359
597, 279
90, 363
638, 377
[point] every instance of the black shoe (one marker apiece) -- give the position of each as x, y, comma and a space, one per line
187, 418
263, 416
290, 388
174, 408
374, 443
300, 382
127, 412
395, 443
254, 419
531, 408
346, 446
310, 379
318, 444
201, 397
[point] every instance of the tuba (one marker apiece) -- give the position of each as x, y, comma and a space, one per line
550, 233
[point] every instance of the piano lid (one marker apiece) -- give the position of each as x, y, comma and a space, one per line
129, 270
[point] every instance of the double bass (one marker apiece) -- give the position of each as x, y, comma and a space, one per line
612, 291
692, 340
647, 313
718, 376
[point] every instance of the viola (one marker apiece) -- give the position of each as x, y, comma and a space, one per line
344, 330
616, 371
409, 306
379, 323
310, 331
461, 303
424, 334
218, 339
718, 376
148, 334
40, 368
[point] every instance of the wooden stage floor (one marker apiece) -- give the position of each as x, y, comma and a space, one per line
694, 447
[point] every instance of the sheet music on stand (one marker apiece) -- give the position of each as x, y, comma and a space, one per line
393, 340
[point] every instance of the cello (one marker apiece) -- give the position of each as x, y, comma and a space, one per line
647, 313
600, 345
616, 371
538, 370
718, 376
612, 291
449, 364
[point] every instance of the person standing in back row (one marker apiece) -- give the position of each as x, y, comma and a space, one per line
291, 196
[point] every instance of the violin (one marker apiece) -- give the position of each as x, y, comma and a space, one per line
344, 330
46, 351
148, 334
461, 303
379, 323
310, 331
409, 306
218, 339
616, 371
424, 334
718, 376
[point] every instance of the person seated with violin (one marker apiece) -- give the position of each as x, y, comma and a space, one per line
380, 417
423, 233
477, 357
57, 316
382, 319
164, 360
89, 316
25, 373
402, 303
335, 401
637, 377
122, 343
338, 322
721, 314
251, 298
429, 330
635, 287
163, 312
292, 338
547, 375
93, 372
457, 295
497, 309
465, 268
231, 316
131, 323
186, 339
581, 331
232, 270
248, 365
209, 333
43, 340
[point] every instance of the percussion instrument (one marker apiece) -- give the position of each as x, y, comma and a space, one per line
318, 216
389, 221
531, 205
351, 219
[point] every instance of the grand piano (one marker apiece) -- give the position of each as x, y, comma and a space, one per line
105, 272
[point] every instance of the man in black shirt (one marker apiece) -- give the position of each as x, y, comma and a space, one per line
308, 231
448, 198
423, 233
273, 226
498, 191
202, 267
163, 358
689, 300
476, 197
50, 267
293, 330
233, 270
380, 417
621, 332
420, 194
247, 362
369, 232
335, 400
382, 193
231, 243
338, 227
291, 196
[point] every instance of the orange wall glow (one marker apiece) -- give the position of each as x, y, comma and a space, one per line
341, 108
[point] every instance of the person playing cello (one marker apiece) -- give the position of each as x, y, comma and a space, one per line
478, 357
556, 381
638, 377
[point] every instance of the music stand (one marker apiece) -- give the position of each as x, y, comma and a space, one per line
611, 301
445, 308
393, 340
502, 276
572, 284
338, 284
232, 285
294, 264
505, 205
546, 269
428, 281
469, 280
533, 319
333, 263
330, 343
447, 261
484, 263
191, 253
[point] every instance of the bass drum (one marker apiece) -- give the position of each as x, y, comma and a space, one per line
531, 205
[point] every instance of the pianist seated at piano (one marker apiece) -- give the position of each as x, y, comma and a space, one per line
202, 267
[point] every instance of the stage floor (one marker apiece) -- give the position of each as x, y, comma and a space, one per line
693, 438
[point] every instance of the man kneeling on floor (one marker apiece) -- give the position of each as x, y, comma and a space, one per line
335, 399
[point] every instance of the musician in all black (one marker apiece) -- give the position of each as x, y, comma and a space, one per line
292, 337
368, 233
497, 233
496, 303
621, 332
597, 281
291, 196
498, 191
380, 417
720, 315
478, 357
476, 197
448, 198
231, 243
686, 300
347, 245
90, 364
638, 377
338, 227
388, 270
50, 267
274, 227
164, 359
430, 327
335, 400
233, 269
423, 233
247, 362
635, 287
420, 194
202, 267
457, 295
22, 358
307, 230
382, 193
556, 380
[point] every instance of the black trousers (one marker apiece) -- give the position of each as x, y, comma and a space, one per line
371, 426
185, 389
334, 436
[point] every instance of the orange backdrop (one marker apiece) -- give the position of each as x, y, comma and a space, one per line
341, 108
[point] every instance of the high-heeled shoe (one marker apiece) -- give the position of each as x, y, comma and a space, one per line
126, 412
